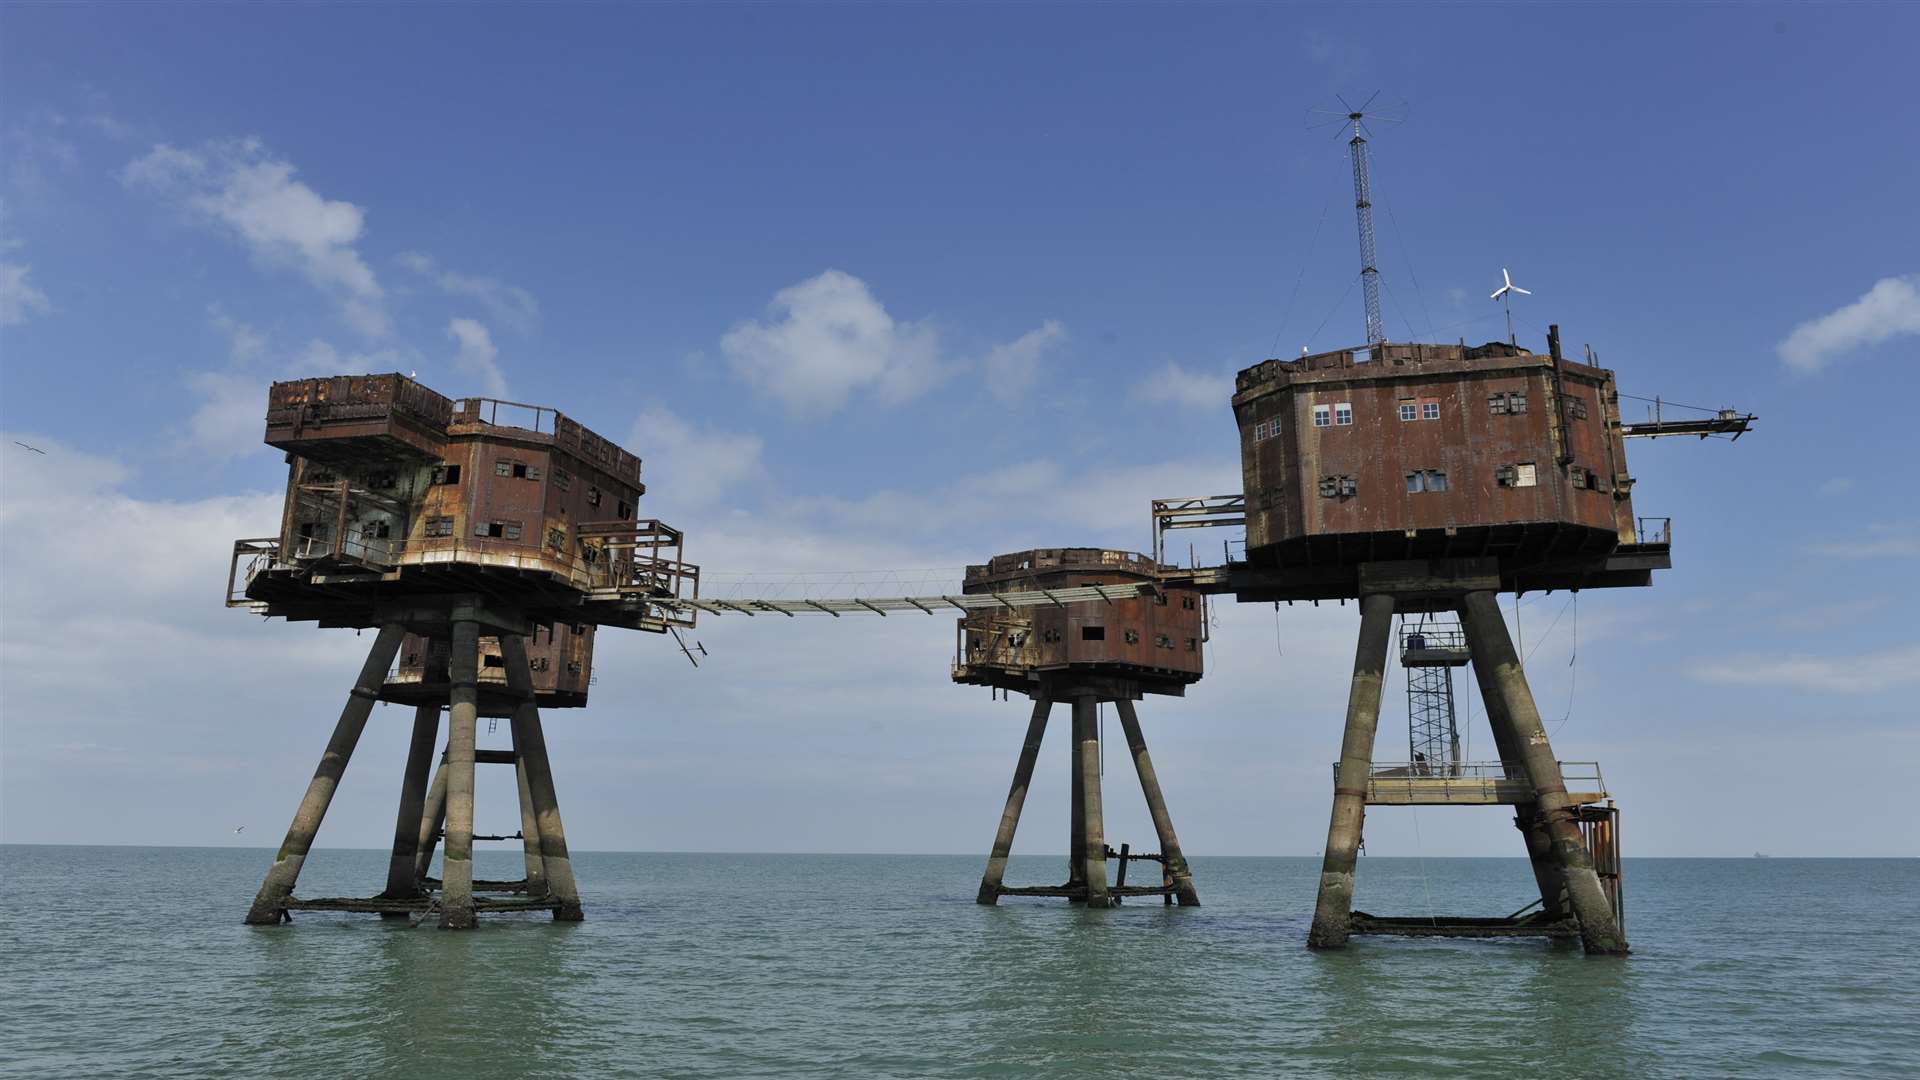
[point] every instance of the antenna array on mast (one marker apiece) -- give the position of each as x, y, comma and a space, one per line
1363, 208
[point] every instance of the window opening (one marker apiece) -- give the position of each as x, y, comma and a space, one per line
445, 474
1093, 633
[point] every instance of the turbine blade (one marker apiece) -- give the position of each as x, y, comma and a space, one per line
1521, 291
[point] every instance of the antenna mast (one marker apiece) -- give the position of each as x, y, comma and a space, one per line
1363, 208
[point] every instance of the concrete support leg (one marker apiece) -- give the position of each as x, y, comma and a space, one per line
1093, 843
1333, 909
1526, 816
402, 882
456, 875
530, 833
1176, 863
433, 818
1016, 800
1076, 805
530, 743
1490, 646
268, 904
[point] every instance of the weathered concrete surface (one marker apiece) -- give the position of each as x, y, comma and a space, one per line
1335, 900
530, 742
1492, 647
1176, 863
529, 833
991, 881
456, 877
1093, 836
267, 906
402, 880
1526, 816
433, 818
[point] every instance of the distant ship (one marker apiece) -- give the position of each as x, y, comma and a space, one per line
1761, 855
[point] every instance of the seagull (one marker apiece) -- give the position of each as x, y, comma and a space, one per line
35, 449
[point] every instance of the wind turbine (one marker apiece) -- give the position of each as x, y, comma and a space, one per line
1501, 294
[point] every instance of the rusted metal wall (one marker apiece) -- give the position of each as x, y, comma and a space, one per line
1158, 637
559, 659
1303, 480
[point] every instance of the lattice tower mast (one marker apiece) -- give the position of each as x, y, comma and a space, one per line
1363, 209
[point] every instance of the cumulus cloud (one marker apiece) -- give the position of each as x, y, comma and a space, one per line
692, 465
1890, 309
1012, 368
1175, 385
826, 339
19, 299
477, 357
508, 305
237, 186
1866, 673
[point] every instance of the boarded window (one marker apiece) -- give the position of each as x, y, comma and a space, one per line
562, 479
1093, 633
1577, 408
439, 526
1524, 475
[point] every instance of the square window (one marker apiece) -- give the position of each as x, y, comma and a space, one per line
1524, 475
511, 530
1517, 403
1416, 482
1132, 637
520, 470
562, 479
557, 539
593, 495
626, 511
533, 472
1577, 408
444, 473
503, 467
1323, 416
1430, 409
1347, 486
1163, 641
1409, 411
1497, 404
1436, 481
1342, 413
1193, 644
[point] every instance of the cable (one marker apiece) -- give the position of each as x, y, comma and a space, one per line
1415, 278
1302, 276
1330, 311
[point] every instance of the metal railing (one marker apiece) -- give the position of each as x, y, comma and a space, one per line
1653, 530
1472, 781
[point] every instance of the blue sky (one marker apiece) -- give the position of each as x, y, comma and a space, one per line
880, 288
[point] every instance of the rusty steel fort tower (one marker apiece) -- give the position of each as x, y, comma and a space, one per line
485, 541
1124, 642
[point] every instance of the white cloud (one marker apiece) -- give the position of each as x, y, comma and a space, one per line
509, 305
1894, 541
692, 465
1889, 309
1176, 385
235, 184
1012, 368
1867, 673
828, 338
477, 356
19, 299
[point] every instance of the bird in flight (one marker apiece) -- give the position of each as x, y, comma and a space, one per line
35, 449
238, 829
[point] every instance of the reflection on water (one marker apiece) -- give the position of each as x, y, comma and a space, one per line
773, 966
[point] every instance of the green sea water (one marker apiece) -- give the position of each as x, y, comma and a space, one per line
132, 962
